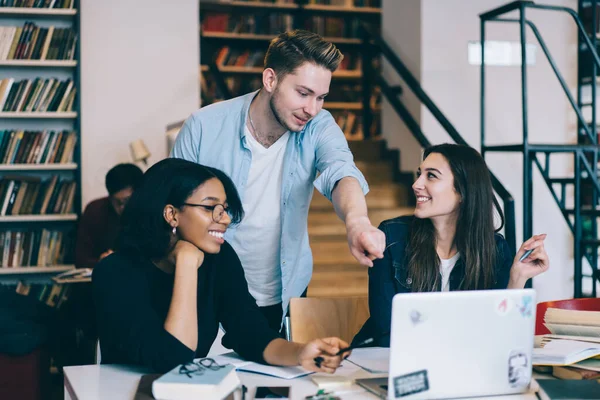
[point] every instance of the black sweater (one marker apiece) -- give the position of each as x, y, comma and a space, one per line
132, 301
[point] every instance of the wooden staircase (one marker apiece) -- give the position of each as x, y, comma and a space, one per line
336, 273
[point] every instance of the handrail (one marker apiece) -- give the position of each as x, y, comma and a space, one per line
496, 12
373, 40
582, 164
561, 79
516, 5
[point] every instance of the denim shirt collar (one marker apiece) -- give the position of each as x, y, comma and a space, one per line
244, 117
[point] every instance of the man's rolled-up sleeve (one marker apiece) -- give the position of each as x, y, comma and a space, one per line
334, 159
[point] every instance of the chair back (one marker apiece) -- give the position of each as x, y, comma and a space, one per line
592, 304
318, 317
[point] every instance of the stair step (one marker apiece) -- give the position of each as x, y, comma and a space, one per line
367, 150
340, 268
332, 253
376, 172
392, 195
337, 284
583, 211
328, 218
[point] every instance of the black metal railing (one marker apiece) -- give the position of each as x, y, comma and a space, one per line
374, 45
585, 154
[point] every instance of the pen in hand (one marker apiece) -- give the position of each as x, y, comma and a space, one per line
525, 255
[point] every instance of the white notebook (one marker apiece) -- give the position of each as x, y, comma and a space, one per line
375, 360
248, 366
564, 352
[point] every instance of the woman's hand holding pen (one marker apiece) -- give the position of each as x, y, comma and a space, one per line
319, 355
530, 261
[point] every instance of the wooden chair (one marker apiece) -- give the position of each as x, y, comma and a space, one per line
318, 317
570, 304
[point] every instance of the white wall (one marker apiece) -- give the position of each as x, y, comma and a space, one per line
446, 28
139, 72
401, 28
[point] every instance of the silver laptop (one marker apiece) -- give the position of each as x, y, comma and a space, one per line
459, 344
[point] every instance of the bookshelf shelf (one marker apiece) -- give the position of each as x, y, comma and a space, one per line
321, 8
343, 106
38, 218
232, 69
39, 63
243, 6
38, 12
38, 167
235, 36
38, 115
268, 38
51, 269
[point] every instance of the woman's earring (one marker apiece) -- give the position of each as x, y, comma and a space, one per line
174, 231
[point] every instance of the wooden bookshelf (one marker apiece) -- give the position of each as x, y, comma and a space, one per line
327, 9
51, 269
232, 69
245, 6
343, 106
256, 16
39, 12
236, 36
39, 63
38, 115
38, 167
38, 218
268, 38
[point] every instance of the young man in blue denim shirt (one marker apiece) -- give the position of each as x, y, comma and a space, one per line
272, 143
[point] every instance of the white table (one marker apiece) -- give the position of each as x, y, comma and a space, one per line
119, 382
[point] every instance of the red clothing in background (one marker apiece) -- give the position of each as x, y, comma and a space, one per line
96, 233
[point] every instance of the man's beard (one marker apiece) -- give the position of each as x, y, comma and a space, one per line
275, 110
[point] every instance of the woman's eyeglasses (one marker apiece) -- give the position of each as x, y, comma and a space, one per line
197, 367
218, 210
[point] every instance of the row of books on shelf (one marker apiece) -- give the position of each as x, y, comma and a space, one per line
38, 3
264, 24
31, 42
351, 124
273, 24
343, 3
37, 95
228, 56
52, 295
30, 195
35, 248
348, 3
333, 26
37, 147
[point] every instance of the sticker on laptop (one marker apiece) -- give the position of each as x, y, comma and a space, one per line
415, 382
519, 369
416, 317
503, 306
526, 306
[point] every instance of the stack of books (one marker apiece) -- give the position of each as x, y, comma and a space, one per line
572, 348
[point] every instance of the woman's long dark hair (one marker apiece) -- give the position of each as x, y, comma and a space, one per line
144, 232
474, 237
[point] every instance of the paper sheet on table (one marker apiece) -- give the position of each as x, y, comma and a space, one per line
372, 359
248, 366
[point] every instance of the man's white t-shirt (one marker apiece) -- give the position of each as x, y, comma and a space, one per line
446, 267
257, 238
